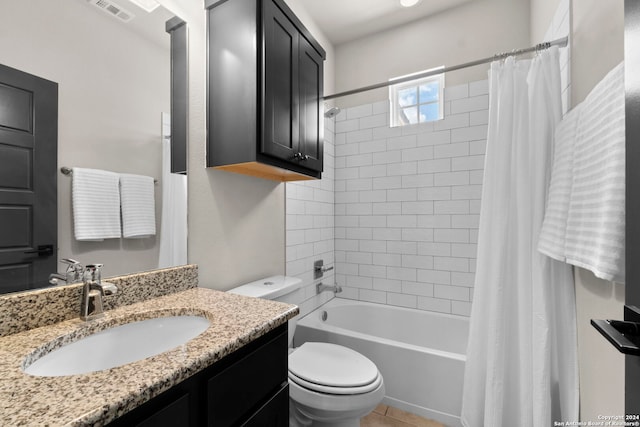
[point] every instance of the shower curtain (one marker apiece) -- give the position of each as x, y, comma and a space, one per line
173, 229
521, 364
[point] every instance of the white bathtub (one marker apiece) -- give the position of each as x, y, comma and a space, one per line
420, 354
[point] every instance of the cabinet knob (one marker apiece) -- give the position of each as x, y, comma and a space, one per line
300, 157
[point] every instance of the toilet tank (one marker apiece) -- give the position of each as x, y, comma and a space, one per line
276, 288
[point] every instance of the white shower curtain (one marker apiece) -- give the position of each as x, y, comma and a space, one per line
521, 367
173, 229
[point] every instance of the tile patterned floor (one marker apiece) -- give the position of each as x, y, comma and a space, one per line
388, 416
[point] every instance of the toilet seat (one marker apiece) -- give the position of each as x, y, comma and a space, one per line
332, 369
320, 388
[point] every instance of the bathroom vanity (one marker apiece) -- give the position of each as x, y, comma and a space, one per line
247, 387
235, 372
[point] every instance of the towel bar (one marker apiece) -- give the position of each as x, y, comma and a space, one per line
68, 171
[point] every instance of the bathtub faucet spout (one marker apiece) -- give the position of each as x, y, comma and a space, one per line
320, 287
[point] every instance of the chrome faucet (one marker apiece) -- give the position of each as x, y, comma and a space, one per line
91, 306
74, 273
55, 278
321, 288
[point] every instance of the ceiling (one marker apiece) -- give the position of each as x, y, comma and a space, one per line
345, 20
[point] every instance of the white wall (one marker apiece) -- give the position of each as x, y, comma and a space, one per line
542, 13
598, 42
236, 222
471, 31
597, 46
113, 87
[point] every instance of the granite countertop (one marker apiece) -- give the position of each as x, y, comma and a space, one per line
100, 397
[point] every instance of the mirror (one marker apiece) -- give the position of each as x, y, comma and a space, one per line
111, 61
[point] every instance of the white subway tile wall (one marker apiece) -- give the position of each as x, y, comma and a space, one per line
310, 224
397, 209
407, 203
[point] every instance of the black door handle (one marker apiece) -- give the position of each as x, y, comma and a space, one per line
43, 250
624, 335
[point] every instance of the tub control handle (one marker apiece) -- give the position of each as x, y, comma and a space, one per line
319, 269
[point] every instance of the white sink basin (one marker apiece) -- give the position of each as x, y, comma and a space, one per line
118, 346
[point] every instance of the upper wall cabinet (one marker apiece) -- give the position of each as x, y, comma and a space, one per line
264, 91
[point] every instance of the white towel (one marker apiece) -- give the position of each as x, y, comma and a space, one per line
554, 228
584, 222
137, 194
96, 204
596, 223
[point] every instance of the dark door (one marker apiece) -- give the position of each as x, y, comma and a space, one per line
28, 188
632, 119
281, 111
311, 124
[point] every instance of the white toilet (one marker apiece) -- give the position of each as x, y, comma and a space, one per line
329, 385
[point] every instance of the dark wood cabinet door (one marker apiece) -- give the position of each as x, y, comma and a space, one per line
181, 406
173, 414
239, 389
281, 96
274, 413
310, 88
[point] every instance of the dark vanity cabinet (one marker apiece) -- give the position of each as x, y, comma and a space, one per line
246, 388
265, 78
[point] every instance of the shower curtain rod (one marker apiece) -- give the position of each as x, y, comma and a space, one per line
541, 46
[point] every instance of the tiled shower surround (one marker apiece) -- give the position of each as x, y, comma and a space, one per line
407, 203
310, 229
396, 211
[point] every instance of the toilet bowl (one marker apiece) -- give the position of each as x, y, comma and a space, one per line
329, 385
332, 385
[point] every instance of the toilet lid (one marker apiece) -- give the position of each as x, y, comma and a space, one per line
335, 390
331, 365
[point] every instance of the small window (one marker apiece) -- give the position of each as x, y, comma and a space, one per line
416, 101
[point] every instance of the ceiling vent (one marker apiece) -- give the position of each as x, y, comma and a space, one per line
113, 9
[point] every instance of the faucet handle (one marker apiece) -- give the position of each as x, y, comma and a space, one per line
70, 262
92, 272
74, 270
